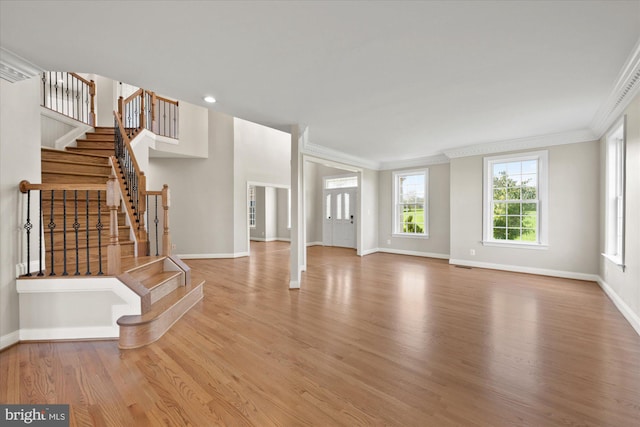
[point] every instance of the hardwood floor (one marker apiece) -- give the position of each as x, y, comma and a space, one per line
379, 340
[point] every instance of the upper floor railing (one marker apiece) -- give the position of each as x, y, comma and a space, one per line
144, 109
69, 94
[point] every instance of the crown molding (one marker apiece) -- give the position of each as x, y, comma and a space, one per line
625, 89
337, 156
571, 137
436, 159
14, 68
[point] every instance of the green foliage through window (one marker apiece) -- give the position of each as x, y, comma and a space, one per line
515, 200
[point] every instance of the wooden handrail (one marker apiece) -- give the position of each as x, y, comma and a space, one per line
127, 142
26, 186
82, 79
133, 96
170, 101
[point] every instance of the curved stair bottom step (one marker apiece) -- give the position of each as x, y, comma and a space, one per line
138, 331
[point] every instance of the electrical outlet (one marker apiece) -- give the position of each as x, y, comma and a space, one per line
174, 246
388, 241
472, 252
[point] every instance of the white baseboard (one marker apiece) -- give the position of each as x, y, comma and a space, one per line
78, 333
314, 244
9, 339
283, 239
270, 239
622, 306
294, 284
369, 251
413, 253
213, 256
530, 270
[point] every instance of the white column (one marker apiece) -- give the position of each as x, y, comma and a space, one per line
297, 208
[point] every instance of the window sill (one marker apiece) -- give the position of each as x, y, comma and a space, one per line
535, 246
615, 260
411, 236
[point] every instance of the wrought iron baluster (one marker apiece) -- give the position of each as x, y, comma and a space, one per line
148, 223
88, 273
28, 226
44, 89
50, 92
40, 232
76, 228
52, 226
156, 223
64, 232
99, 227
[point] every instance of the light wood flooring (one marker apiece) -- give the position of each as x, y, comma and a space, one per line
379, 340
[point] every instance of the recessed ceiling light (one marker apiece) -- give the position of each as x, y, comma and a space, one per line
209, 99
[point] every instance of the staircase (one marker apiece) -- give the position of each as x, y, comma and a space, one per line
165, 285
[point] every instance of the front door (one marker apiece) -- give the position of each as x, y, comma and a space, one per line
339, 213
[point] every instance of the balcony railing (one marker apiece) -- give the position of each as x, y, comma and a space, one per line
69, 94
144, 109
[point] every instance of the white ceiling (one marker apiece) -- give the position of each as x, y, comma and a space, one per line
381, 81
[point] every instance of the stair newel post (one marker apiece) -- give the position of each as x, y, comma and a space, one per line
166, 238
143, 123
121, 108
92, 108
113, 250
143, 239
154, 122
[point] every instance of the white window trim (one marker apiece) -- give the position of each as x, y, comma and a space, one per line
330, 177
394, 201
543, 200
616, 135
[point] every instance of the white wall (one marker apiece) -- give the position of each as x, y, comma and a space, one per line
370, 216
270, 213
19, 159
573, 215
283, 232
313, 203
202, 197
209, 196
263, 155
51, 130
106, 100
624, 286
194, 123
439, 228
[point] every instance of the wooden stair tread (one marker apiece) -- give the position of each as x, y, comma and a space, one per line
83, 245
80, 174
88, 155
159, 278
91, 230
74, 163
141, 261
161, 307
